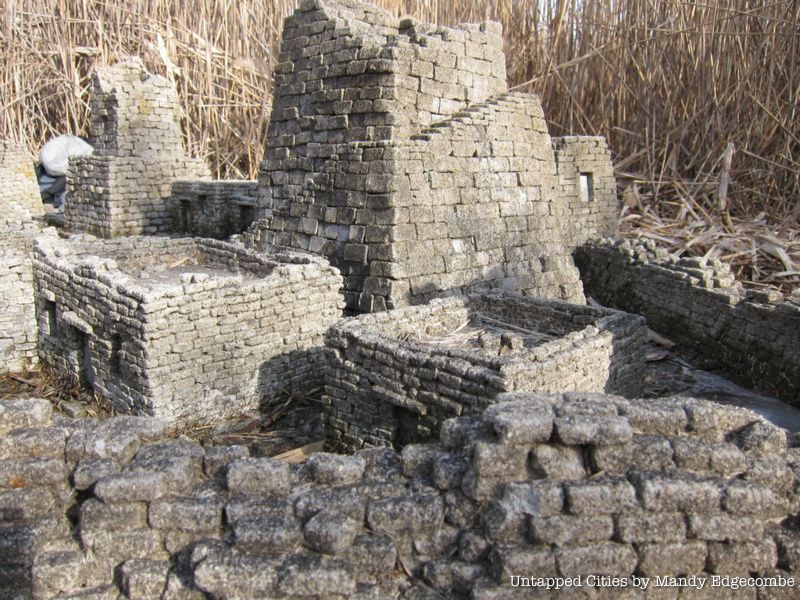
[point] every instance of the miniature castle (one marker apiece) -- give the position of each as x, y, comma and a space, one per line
491, 415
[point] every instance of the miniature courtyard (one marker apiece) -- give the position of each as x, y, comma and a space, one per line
425, 286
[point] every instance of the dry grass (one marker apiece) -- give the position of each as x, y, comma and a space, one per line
673, 85
60, 390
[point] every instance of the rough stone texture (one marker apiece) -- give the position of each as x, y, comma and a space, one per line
189, 330
586, 182
395, 150
20, 206
213, 209
20, 201
374, 525
18, 329
393, 378
754, 337
124, 187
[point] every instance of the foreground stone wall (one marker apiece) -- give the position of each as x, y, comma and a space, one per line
753, 337
570, 486
124, 187
189, 330
395, 150
213, 209
393, 378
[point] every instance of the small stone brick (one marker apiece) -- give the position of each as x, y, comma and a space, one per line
606, 558
259, 476
330, 532
684, 558
569, 530
603, 496
734, 558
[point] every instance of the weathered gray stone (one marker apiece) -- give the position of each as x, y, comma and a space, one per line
259, 476
330, 532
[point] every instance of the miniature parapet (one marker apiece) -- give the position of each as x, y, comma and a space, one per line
395, 150
124, 187
752, 336
189, 330
393, 377
215, 209
20, 205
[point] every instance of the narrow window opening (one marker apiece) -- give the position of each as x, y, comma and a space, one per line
50, 314
87, 369
115, 360
247, 214
186, 215
80, 357
587, 187
405, 427
202, 203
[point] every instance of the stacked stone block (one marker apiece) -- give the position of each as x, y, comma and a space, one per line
753, 336
34, 491
213, 209
394, 150
393, 378
124, 187
586, 182
189, 330
571, 485
20, 207
19, 194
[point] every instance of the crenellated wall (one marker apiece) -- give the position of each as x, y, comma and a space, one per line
213, 209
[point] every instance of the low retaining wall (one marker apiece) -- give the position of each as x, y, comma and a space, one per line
754, 337
572, 486
393, 378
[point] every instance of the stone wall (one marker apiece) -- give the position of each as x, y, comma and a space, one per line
586, 182
189, 330
18, 330
124, 187
213, 209
394, 377
394, 150
20, 207
569, 486
754, 337
20, 200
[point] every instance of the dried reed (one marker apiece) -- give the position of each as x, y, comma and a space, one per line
695, 98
